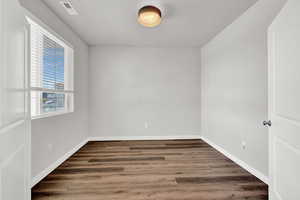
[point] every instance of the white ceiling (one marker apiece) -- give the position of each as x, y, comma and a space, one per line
187, 22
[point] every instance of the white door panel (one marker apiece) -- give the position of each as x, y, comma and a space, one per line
14, 118
11, 139
287, 79
284, 107
287, 160
13, 59
13, 180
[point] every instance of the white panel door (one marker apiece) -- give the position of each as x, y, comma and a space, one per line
284, 102
14, 120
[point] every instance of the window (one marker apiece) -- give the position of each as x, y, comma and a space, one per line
51, 73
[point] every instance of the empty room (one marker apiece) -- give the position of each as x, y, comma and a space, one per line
149, 99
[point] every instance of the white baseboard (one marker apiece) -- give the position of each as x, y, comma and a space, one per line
121, 138
241, 163
54, 165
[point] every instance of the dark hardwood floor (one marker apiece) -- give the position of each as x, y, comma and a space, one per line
149, 170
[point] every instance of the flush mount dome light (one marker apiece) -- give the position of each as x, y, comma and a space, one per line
149, 16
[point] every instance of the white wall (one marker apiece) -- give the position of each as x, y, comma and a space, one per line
54, 136
130, 86
234, 74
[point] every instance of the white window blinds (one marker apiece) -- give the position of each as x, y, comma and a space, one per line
51, 73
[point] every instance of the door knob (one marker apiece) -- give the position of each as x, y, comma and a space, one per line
267, 123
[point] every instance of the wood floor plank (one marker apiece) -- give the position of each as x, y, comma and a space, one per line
127, 159
149, 170
216, 179
88, 170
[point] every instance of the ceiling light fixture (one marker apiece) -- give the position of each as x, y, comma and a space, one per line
149, 16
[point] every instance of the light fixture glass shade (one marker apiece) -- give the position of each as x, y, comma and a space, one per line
149, 16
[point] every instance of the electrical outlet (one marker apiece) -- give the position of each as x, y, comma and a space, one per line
146, 125
244, 145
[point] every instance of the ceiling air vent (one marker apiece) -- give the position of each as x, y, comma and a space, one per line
68, 7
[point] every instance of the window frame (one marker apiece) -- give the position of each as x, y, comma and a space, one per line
69, 77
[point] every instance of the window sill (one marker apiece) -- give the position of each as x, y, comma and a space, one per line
52, 114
